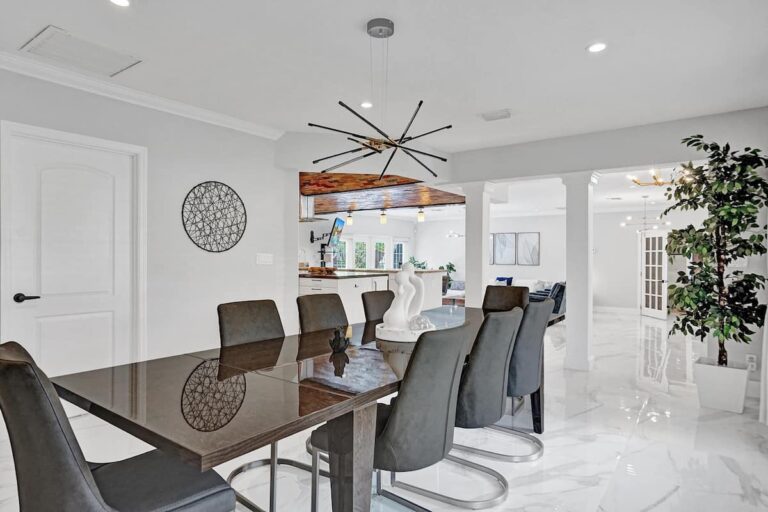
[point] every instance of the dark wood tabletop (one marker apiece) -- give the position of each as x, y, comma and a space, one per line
212, 406
257, 393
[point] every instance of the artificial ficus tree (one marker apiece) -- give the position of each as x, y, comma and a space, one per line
710, 299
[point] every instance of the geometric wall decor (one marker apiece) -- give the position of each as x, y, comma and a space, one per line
213, 216
208, 403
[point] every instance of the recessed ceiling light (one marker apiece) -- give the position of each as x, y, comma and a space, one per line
596, 47
121, 3
366, 104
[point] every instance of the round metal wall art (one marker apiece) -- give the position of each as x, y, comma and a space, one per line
209, 403
214, 216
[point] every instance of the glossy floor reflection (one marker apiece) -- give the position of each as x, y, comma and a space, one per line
628, 436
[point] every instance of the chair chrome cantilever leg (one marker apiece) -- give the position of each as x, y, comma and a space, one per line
534, 441
273, 462
498, 498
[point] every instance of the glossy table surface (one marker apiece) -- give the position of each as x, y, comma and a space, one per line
212, 406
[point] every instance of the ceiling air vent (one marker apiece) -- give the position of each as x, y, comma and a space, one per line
496, 115
60, 47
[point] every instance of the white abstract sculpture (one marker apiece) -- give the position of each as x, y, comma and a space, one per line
403, 320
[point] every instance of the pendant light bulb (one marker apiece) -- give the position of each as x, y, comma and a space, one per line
350, 220
383, 217
420, 215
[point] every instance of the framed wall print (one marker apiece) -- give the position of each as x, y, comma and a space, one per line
528, 249
504, 248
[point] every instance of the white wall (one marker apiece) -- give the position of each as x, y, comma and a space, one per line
363, 225
436, 248
184, 283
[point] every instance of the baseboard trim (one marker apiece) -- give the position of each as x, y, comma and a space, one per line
614, 309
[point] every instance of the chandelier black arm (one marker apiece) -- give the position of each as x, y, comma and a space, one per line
405, 132
408, 139
364, 120
313, 125
388, 162
364, 144
407, 152
417, 151
337, 154
342, 164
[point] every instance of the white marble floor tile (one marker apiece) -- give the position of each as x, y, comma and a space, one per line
628, 436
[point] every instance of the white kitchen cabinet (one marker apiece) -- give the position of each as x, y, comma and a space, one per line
350, 289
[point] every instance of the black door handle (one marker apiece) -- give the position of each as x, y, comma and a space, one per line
20, 297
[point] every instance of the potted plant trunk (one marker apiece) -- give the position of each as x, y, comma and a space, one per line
711, 301
449, 268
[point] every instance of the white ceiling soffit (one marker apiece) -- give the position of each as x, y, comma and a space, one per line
43, 71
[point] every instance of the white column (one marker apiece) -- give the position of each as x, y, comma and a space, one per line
579, 247
476, 245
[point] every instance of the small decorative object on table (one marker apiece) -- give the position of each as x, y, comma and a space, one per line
339, 357
403, 321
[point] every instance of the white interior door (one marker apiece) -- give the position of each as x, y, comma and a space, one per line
653, 274
72, 230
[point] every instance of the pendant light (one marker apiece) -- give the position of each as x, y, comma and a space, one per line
350, 220
383, 217
420, 215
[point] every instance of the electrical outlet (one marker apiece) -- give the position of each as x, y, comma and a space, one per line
751, 362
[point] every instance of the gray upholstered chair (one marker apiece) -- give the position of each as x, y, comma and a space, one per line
254, 321
375, 304
320, 312
504, 298
51, 471
482, 397
249, 321
406, 438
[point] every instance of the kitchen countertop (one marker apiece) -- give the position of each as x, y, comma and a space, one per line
343, 274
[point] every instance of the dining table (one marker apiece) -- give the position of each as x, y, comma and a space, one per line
212, 406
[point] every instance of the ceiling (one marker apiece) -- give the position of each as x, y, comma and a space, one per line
283, 64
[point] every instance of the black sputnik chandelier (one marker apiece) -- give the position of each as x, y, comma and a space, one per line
381, 143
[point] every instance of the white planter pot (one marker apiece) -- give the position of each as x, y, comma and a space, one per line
721, 387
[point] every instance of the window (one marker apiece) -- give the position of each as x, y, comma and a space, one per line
340, 255
361, 255
379, 255
398, 255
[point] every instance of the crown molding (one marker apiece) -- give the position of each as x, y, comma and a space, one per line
93, 85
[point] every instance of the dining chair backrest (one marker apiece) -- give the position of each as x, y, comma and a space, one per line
483, 389
504, 298
320, 312
249, 321
527, 356
419, 430
375, 304
51, 471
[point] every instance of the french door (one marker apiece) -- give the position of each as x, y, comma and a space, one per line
653, 274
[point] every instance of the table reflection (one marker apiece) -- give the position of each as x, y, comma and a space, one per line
210, 400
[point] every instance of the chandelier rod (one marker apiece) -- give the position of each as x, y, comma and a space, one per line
337, 154
365, 121
348, 161
408, 139
313, 125
408, 152
391, 156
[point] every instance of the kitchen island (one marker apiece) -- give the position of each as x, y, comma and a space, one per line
350, 285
